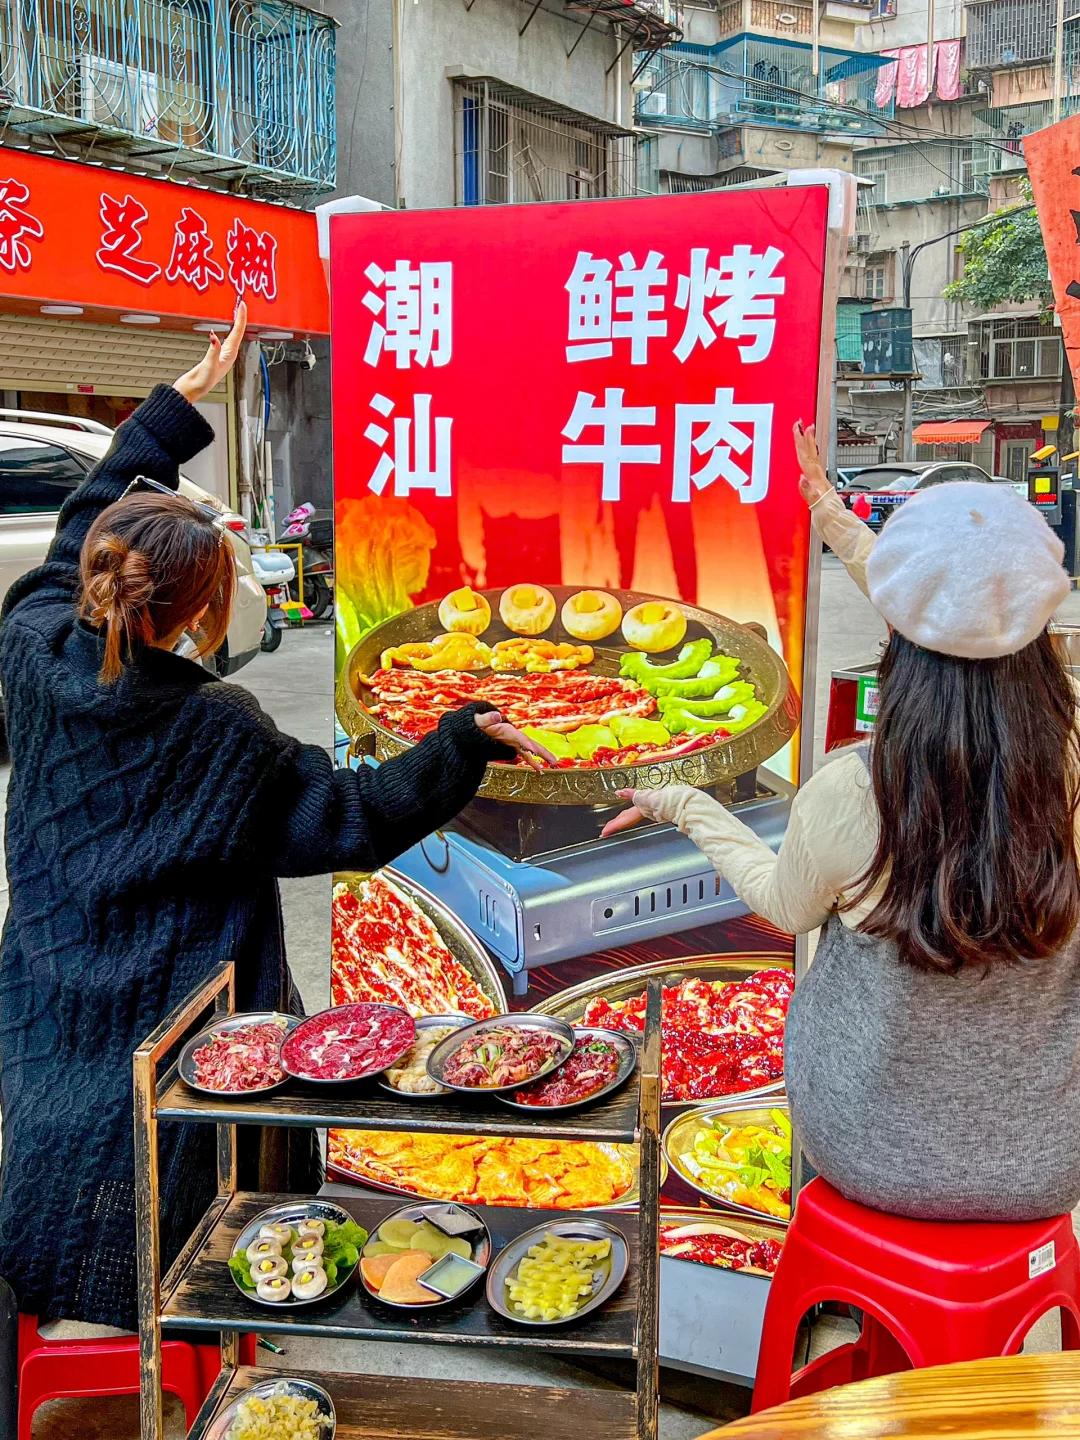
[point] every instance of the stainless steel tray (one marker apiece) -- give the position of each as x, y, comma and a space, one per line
224, 1026
570, 1004
301, 1389
481, 1255
456, 935
425, 1022
446, 1049
616, 1266
679, 1135
291, 1214
623, 1043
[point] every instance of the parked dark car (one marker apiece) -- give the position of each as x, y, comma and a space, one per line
887, 486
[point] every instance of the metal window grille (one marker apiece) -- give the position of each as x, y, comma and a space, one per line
1012, 32
997, 135
1017, 455
772, 81
940, 360
849, 333
201, 82
919, 172
512, 147
1022, 349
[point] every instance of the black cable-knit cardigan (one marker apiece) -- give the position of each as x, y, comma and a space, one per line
146, 824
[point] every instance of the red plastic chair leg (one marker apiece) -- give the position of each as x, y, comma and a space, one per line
54, 1370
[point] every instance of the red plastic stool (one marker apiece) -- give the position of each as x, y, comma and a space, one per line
76, 1369
932, 1293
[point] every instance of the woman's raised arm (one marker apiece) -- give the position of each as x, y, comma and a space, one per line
845, 534
163, 433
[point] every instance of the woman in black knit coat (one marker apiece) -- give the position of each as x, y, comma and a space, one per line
148, 818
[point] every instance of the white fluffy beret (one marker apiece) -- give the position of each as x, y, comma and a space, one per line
967, 569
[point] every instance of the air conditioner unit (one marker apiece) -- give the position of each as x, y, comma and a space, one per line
119, 96
655, 103
862, 244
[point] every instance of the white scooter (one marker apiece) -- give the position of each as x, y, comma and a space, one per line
275, 571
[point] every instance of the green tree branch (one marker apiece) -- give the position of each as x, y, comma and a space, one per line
1004, 260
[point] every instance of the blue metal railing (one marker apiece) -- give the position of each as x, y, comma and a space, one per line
745, 78
233, 89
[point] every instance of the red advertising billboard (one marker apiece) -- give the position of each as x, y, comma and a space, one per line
107, 241
565, 482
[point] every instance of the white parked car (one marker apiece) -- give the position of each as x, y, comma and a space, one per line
43, 458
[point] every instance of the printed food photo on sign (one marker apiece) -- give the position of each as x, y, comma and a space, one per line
564, 488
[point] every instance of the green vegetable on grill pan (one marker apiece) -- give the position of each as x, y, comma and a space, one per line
719, 671
721, 703
691, 658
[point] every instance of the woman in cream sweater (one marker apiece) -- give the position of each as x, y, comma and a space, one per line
933, 1049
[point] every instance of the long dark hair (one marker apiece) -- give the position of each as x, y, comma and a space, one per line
149, 564
975, 769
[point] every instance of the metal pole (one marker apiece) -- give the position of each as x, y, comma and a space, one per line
1059, 57
648, 1324
929, 46
815, 59
907, 445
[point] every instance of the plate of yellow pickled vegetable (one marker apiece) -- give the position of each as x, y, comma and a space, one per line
558, 1272
284, 1409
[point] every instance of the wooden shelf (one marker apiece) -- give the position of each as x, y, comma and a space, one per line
199, 1294
206, 1298
385, 1407
366, 1106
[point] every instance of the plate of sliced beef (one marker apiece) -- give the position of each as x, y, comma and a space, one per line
347, 1042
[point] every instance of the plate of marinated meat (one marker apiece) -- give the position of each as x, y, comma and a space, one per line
238, 1054
747, 1246
502, 1053
600, 1062
347, 1042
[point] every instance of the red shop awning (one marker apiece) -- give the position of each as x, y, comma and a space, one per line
949, 432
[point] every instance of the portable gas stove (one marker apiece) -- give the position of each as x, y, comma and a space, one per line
536, 885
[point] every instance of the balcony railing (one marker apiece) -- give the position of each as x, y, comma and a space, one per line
234, 90
749, 79
1012, 32
997, 135
934, 170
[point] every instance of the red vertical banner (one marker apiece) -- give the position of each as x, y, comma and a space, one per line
1053, 158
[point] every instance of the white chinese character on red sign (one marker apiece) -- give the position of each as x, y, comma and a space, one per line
747, 284
411, 462
415, 310
726, 426
190, 259
597, 319
613, 417
250, 255
120, 239
17, 226
589, 328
